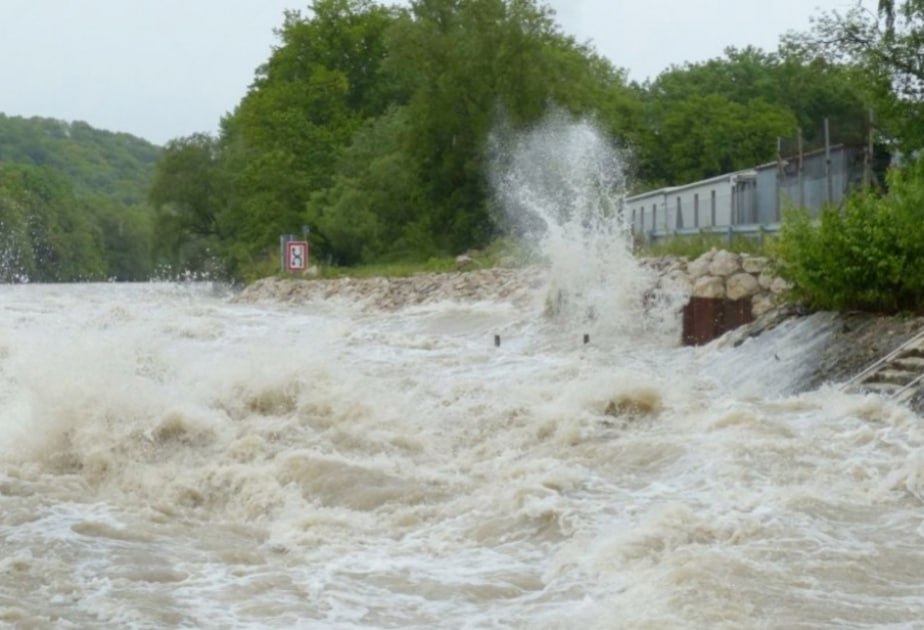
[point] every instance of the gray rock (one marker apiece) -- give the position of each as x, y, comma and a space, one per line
699, 267
762, 303
755, 264
741, 285
709, 287
765, 280
725, 264
779, 286
677, 282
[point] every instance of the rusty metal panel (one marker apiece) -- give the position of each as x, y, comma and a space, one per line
705, 319
736, 313
699, 321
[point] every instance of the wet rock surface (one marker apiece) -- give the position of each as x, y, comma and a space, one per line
860, 339
851, 343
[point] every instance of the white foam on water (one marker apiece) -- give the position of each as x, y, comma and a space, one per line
561, 185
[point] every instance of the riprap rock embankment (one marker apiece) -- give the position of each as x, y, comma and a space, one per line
715, 274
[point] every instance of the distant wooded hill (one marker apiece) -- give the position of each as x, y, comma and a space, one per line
95, 161
73, 202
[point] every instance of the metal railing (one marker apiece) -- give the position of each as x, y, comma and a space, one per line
757, 231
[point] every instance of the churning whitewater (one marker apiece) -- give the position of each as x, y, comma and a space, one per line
172, 456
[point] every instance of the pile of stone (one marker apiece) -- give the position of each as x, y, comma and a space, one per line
721, 274
716, 274
393, 293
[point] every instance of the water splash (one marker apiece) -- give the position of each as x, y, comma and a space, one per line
561, 185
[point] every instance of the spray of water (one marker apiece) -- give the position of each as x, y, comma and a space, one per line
561, 185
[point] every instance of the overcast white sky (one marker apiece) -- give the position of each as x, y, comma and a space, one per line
160, 69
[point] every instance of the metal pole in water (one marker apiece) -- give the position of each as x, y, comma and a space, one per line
497, 341
586, 339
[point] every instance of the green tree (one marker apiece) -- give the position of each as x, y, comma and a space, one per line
886, 45
281, 144
374, 208
869, 255
371, 124
126, 234
95, 162
71, 202
725, 114
709, 135
47, 234
188, 194
465, 66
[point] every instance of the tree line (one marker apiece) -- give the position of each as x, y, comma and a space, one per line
73, 202
869, 254
371, 124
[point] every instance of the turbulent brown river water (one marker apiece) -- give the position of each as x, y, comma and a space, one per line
170, 457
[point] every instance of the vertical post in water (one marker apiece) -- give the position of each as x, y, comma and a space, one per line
497, 341
586, 339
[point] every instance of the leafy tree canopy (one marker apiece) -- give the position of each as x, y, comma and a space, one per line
71, 202
370, 124
886, 47
116, 165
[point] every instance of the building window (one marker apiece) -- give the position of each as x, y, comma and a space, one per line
654, 216
678, 222
696, 210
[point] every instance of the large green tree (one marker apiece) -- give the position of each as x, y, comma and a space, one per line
457, 69
281, 144
189, 194
726, 114
370, 124
887, 45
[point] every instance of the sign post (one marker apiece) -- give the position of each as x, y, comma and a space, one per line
296, 256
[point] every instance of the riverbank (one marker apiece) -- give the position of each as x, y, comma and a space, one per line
851, 341
513, 284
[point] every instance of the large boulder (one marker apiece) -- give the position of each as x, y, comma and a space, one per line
755, 264
677, 281
762, 304
779, 286
699, 267
765, 279
709, 287
741, 285
725, 264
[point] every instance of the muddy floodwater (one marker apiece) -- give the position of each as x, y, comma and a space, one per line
169, 457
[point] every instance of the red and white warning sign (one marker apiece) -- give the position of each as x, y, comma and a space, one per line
296, 256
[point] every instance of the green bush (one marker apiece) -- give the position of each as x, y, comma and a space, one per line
867, 255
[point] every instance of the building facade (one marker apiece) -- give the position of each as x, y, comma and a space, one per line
753, 198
